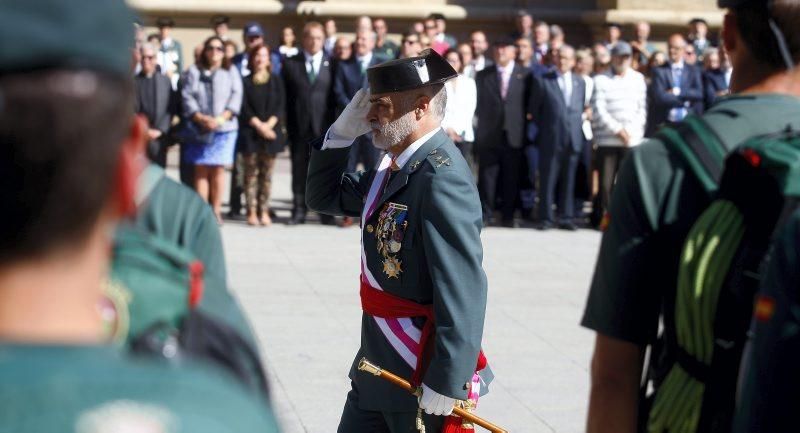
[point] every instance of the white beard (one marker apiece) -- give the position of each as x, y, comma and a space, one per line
394, 132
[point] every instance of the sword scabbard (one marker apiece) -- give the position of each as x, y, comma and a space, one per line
366, 366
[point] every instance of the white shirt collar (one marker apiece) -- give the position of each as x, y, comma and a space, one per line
506, 70
405, 155
316, 58
678, 65
366, 58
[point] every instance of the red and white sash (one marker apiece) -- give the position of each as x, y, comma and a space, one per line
401, 333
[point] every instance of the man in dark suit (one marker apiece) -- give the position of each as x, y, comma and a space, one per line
308, 78
351, 75
558, 99
156, 100
677, 88
503, 92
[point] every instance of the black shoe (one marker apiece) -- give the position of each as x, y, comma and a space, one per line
529, 215
544, 225
327, 220
567, 225
298, 217
509, 224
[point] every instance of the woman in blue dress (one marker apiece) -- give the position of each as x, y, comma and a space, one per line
212, 98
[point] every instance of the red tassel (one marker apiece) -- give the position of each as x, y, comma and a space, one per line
454, 424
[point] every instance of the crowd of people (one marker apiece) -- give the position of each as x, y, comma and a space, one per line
115, 311
543, 124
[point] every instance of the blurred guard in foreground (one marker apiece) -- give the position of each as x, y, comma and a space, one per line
423, 289
70, 152
658, 198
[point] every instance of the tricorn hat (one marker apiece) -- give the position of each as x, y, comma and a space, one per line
399, 75
220, 19
165, 22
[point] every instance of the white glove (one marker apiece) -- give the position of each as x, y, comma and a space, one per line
353, 120
434, 403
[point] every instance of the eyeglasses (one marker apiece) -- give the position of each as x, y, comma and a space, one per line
149, 57
215, 47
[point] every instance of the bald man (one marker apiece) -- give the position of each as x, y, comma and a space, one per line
677, 88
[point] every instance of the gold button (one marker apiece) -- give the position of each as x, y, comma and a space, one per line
370, 229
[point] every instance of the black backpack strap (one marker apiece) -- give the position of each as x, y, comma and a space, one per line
699, 147
203, 337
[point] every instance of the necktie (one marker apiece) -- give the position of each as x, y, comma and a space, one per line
503, 85
677, 114
565, 90
384, 181
312, 74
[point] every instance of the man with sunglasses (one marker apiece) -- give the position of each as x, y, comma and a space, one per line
410, 46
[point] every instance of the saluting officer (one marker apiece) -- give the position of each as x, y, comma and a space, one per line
423, 289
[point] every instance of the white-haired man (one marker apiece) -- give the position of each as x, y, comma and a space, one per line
423, 289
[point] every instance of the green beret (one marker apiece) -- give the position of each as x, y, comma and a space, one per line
72, 34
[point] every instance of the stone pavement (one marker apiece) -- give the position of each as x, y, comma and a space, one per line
299, 286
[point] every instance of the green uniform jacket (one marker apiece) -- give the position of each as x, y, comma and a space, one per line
86, 389
769, 399
174, 212
440, 258
656, 201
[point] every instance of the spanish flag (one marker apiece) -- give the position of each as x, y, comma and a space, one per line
765, 308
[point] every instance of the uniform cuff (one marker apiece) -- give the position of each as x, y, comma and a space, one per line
333, 141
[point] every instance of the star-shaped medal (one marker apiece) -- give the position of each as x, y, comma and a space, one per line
392, 267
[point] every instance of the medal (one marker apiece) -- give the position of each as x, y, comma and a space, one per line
392, 267
389, 234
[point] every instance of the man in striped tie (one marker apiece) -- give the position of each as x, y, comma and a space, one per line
422, 286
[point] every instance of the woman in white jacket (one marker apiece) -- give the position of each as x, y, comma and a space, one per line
462, 98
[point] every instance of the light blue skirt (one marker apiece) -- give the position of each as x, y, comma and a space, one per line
218, 152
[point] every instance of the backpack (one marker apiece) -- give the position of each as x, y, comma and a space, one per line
151, 308
752, 191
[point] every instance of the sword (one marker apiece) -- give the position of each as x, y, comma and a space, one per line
365, 365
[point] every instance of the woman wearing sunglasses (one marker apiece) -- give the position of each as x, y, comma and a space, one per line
212, 98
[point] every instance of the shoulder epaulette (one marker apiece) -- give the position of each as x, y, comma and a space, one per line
439, 158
